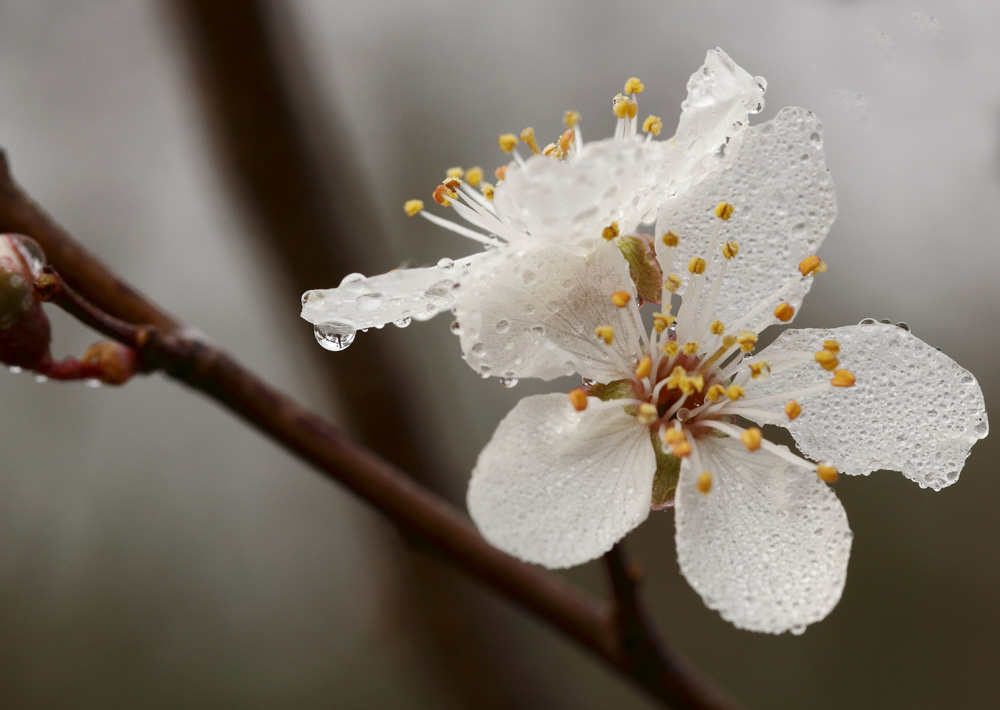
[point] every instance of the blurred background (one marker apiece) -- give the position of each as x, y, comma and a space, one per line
155, 552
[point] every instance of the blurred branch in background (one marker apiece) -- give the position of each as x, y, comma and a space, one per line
305, 216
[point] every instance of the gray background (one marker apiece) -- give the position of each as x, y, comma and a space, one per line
156, 553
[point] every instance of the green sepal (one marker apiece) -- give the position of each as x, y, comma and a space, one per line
616, 389
642, 265
668, 472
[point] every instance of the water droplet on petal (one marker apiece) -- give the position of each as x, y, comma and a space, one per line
446, 264
334, 336
370, 301
41, 378
868, 321
401, 322
92, 382
455, 327
15, 370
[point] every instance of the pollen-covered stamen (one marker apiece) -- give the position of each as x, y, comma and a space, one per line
566, 140
670, 239
670, 348
662, 321
678, 442
752, 438
784, 311
507, 143
487, 191
760, 370
704, 483
652, 125
735, 392
412, 207
500, 173
714, 392
621, 298
442, 193
455, 172
690, 347
730, 249
832, 345
827, 360
672, 283
827, 473
647, 413
571, 118
812, 265
843, 378
474, 176
696, 265
528, 138
611, 231
578, 398
644, 367
624, 107
634, 86
605, 333
747, 340
717, 327
724, 211
792, 410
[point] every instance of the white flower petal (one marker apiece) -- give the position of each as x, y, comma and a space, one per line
366, 302
720, 95
913, 409
574, 201
784, 205
531, 311
559, 487
767, 546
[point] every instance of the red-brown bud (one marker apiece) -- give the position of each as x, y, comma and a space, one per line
24, 329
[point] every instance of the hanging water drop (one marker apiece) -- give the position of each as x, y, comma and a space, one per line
508, 382
446, 264
92, 382
334, 336
401, 322
41, 378
15, 370
455, 327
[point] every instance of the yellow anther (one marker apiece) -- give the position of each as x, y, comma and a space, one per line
677, 375
751, 438
827, 473
784, 312
571, 118
452, 183
714, 392
670, 239
672, 436
528, 137
454, 173
647, 413
811, 266
827, 360
760, 369
624, 107
611, 231
441, 195
728, 342
507, 141
735, 392
487, 191
730, 249
644, 367
620, 298
842, 378
670, 348
704, 484
605, 333
717, 327
688, 384
634, 86
792, 410
672, 283
690, 348
578, 398
474, 176
681, 448
747, 340
697, 265
831, 345
500, 173
653, 125
695, 383
567, 137
724, 211
412, 207
552, 151
662, 321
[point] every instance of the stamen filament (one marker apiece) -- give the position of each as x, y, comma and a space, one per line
459, 229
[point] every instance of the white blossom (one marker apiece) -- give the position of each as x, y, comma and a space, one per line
669, 413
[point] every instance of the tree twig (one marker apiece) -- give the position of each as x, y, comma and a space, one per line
424, 517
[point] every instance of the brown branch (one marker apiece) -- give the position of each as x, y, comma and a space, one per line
644, 657
414, 510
